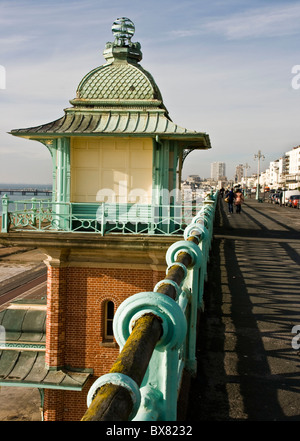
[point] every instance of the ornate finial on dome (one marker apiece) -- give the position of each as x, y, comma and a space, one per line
123, 49
123, 29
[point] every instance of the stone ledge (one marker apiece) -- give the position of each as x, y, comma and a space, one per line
83, 249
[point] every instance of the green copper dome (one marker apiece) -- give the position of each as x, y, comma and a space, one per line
121, 81
118, 98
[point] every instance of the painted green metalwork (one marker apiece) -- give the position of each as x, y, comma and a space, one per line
117, 99
5, 217
174, 303
23, 345
102, 218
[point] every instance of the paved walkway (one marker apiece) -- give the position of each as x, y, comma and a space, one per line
19, 266
247, 367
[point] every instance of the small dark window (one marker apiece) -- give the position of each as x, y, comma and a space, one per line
109, 316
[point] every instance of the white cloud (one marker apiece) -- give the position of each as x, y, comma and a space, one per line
272, 21
262, 22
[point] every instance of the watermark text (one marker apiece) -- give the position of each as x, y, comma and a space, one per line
296, 339
2, 77
296, 78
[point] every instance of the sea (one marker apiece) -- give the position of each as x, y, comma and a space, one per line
27, 197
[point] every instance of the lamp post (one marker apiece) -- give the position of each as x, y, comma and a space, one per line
259, 156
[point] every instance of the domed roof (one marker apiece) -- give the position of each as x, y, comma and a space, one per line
120, 81
118, 98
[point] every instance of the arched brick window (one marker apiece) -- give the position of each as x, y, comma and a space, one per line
108, 320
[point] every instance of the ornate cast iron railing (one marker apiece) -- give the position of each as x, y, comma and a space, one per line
102, 218
156, 332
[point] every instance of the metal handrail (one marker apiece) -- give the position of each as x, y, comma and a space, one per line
117, 395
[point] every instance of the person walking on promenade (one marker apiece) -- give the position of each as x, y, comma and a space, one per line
239, 199
230, 197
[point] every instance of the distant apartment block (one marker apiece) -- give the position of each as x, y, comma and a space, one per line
239, 172
217, 171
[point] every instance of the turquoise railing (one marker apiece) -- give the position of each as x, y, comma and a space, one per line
102, 218
156, 332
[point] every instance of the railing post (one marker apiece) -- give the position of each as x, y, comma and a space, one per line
152, 220
103, 220
61, 216
5, 216
34, 210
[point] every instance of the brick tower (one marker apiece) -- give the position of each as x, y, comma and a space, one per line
117, 160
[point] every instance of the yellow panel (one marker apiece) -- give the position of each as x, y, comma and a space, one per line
79, 143
116, 166
112, 178
87, 181
122, 144
94, 143
140, 159
86, 158
114, 159
139, 179
108, 143
140, 143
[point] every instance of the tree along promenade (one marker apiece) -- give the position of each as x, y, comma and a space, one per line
248, 347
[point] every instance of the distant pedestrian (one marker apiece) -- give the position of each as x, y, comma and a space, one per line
238, 200
222, 192
230, 197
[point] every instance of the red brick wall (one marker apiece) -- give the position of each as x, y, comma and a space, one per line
75, 325
53, 405
56, 316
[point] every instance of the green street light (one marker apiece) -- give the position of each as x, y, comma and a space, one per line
259, 156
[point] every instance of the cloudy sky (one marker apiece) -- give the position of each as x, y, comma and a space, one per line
225, 67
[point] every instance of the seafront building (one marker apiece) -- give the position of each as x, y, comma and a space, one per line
239, 173
218, 171
284, 172
291, 177
117, 160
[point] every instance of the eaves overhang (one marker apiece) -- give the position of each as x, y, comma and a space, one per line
22, 350
26, 368
117, 123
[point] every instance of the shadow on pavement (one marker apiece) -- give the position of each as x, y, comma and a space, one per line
247, 368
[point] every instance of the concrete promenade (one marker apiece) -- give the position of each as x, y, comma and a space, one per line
18, 266
247, 367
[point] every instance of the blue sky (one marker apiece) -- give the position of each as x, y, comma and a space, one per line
223, 67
